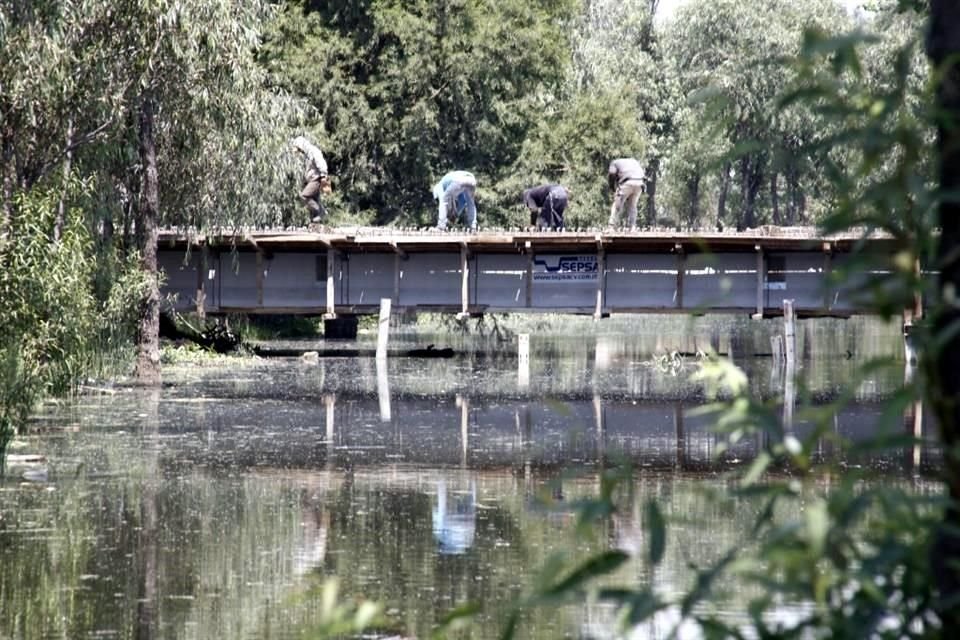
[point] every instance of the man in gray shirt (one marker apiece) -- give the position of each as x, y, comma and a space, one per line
315, 180
627, 180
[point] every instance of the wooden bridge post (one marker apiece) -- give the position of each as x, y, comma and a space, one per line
331, 293
383, 329
601, 277
398, 255
790, 373
789, 334
523, 360
681, 270
827, 274
761, 279
202, 270
464, 403
464, 280
396, 278
259, 278
529, 292
329, 405
383, 390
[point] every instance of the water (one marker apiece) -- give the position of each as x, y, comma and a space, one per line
218, 506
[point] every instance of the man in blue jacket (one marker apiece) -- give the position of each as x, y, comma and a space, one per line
455, 193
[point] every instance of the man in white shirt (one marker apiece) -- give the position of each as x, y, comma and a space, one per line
627, 178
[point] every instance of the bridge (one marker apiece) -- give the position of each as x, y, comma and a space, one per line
347, 271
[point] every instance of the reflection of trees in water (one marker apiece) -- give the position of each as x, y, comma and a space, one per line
830, 351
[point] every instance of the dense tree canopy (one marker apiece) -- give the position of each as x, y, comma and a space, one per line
405, 91
125, 116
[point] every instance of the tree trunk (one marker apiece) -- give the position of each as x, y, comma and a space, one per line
62, 205
722, 200
8, 177
693, 196
943, 46
148, 324
652, 170
751, 179
774, 199
744, 187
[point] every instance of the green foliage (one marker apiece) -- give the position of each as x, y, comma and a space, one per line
574, 147
408, 91
75, 75
56, 330
338, 618
738, 153
853, 562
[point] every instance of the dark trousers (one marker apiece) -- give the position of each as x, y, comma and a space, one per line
311, 198
551, 213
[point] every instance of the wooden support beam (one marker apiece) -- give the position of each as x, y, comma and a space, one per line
761, 279
202, 270
259, 277
601, 279
331, 292
397, 250
253, 241
528, 248
396, 279
681, 269
827, 272
322, 241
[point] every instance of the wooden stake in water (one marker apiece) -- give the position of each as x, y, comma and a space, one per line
383, 390
464, 403
383, 328
789, 334
789, 378
330, 404
523, 360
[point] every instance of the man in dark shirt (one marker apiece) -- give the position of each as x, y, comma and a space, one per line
546, 204
627, 180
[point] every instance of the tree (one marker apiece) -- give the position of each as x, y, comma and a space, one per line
142, 111
202, 115
729, 58
617, 49
405, 91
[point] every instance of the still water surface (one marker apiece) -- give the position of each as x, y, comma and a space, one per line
217, 506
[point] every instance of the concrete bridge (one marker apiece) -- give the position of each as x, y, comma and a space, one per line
347, 271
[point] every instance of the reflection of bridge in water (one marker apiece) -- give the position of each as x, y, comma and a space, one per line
348, 271
354, 430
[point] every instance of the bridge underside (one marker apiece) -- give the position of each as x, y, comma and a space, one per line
582, 273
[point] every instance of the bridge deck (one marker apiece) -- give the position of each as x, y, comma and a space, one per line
349, 270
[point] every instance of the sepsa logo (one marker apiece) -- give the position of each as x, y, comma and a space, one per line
570, 264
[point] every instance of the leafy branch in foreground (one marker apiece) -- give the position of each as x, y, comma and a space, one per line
828, 554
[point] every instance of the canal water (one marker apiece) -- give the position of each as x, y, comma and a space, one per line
221, 504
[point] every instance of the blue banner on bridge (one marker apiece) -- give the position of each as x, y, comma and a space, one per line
562, 269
